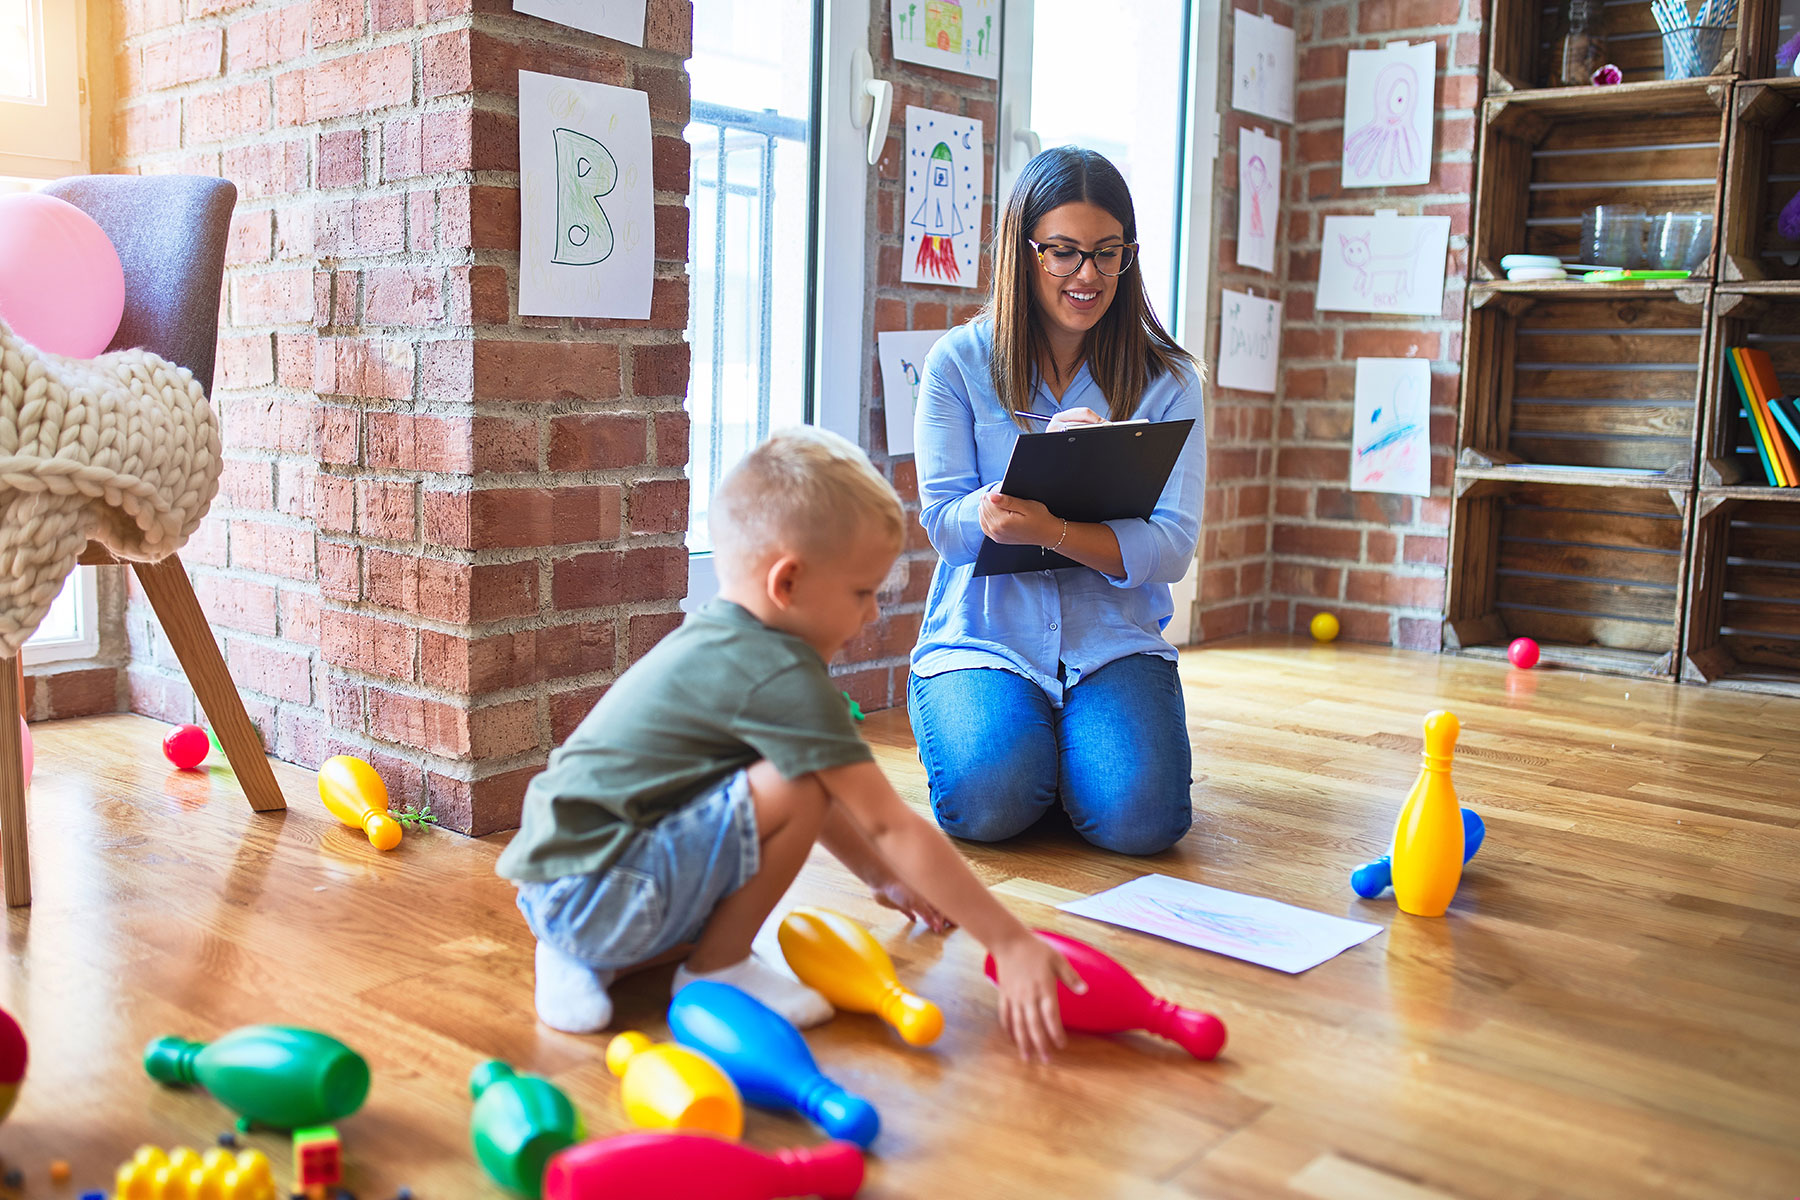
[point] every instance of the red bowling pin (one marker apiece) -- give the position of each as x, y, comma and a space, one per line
694, 1166
1115, 1001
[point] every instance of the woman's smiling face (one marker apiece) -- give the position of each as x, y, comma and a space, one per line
1074, 304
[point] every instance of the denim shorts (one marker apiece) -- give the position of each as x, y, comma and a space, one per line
661, 891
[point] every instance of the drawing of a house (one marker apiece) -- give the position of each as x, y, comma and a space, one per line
943, 25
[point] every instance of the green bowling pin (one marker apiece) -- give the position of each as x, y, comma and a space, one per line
519, 1122
268, 1074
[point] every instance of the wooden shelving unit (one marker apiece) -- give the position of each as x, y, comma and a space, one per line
1607, 498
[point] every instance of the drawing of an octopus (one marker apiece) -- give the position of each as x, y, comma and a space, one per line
1387, 145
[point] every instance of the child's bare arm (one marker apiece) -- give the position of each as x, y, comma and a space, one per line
850, 846
922, 856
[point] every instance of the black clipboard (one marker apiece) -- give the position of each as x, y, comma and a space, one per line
1085, 473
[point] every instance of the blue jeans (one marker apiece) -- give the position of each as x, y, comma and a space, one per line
662, 890
1117, 756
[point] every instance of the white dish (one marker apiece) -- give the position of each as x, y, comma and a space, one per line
1536, 274
1529, 260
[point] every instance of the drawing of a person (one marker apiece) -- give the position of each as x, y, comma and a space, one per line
1257, 177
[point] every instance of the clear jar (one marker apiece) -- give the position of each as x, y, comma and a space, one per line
1578, 45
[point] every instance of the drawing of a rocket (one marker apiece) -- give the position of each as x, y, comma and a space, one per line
937, 219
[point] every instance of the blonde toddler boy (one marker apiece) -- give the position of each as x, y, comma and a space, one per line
682, 807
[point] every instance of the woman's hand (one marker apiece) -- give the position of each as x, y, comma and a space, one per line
1027, 970
1014, 522
1074, 416
894, 894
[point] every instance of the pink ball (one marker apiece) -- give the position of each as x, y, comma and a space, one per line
61, 286
25, 748
186, 746
1523, 652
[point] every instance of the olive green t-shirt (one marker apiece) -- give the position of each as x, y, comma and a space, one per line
719, 693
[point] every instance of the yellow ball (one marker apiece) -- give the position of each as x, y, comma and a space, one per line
1324, 627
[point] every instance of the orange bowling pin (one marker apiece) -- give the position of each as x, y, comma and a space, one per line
673, 1087
1428, 841
356, 796
835, 955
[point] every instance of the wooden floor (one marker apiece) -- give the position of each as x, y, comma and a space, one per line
1611, 1009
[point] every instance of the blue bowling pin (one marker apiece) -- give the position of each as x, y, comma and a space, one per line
1372, 879
767, 1058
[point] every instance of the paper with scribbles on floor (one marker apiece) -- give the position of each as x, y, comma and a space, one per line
1253, 928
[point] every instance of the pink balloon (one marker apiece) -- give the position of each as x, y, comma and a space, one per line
61, 286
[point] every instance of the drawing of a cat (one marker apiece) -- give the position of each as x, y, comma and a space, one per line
1386, 278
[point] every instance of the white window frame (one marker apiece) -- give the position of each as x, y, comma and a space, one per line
43, 137
841, 220
86, 642
1193, 286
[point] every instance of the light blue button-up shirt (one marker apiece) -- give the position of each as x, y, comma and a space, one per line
1029, 622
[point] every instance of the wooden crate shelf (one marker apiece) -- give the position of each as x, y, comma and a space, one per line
1743, 616
1605, 380
1548, 157
1607, 500
1593, 574
1519, 54
1745, 315
1762, 173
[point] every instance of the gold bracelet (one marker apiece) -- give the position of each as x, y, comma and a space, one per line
1065, 534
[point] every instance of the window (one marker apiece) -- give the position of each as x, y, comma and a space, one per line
71, 629
776, 220
1159, 126
40, 88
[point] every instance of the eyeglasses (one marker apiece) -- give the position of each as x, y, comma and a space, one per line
1063, 261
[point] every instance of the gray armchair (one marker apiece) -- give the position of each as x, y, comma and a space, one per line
170, 232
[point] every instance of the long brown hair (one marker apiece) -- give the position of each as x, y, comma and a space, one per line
1127, 347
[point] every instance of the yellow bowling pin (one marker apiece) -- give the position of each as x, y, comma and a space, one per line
356, 796
1428, 840
836, 956
672, 1087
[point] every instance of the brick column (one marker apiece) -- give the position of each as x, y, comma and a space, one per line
445, 529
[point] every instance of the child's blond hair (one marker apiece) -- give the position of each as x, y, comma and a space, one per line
804, 490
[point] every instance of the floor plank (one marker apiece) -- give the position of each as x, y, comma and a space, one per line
1609, 1010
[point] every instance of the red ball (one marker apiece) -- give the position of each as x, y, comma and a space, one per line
1523, 652
186, 746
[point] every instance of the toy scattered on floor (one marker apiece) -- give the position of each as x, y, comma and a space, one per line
1372, 879
356, 796
272, 1075
186, 746
834, 955
673, 1087
182, 1174
318, 1158
767, 1058
15, 1053
59, 1171
856, 712
518, 1123
1115, 1001
693, 1166
1523, 653
228, 1139
1428, 839
62, 287
1324, 627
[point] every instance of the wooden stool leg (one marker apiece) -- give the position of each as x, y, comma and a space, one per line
171, 594
15, 857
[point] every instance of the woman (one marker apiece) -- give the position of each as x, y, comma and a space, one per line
1055, 686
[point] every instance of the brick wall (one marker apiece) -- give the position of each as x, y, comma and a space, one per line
1234, 534
1376, 560
442, 529
873, 668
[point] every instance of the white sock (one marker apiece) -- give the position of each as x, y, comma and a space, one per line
571, 996
792, 999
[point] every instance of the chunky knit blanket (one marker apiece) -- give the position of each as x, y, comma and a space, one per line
122, 449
